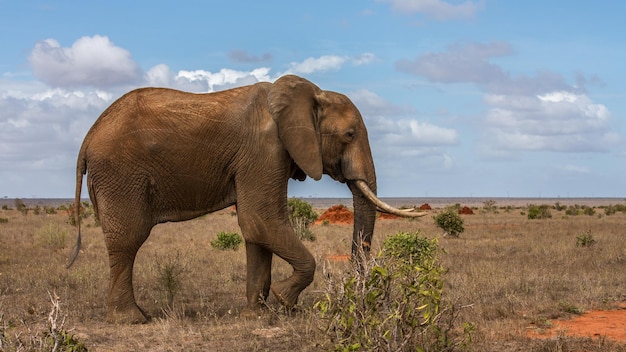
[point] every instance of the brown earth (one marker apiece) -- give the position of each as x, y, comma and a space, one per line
425, 206
609, 324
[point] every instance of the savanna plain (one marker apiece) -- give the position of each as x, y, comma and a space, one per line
511, 282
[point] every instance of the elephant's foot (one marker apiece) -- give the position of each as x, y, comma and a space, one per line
130, 315
285, 293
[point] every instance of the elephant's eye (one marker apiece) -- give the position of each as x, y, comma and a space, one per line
349, 135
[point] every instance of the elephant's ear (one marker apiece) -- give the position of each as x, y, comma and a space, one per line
293, 103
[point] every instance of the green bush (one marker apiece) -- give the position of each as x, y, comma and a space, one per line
539, 211
585, 239
227, 240
392, 302
4, 220
450, 222
301, 215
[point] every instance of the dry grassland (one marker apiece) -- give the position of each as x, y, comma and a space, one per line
513, 275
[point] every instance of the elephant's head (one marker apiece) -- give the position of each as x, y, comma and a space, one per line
323, 132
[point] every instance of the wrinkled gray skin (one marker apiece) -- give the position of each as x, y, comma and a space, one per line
158, 155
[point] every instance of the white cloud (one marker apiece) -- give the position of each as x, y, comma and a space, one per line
90, 61
437, 9
556, 121
225, 78
524, 113
314, 64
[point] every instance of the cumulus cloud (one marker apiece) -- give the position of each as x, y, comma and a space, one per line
41, 131
437, 9
524, 113
396, 132
90, 61
557, 121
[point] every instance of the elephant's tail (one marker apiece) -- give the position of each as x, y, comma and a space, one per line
81, 169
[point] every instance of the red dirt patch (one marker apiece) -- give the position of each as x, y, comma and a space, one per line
425, 206
466, 211
387, 216
610, 324
338, 257
337, 214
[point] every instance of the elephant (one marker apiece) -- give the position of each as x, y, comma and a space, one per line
161, 155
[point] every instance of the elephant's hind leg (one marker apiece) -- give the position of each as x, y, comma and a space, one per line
121, 305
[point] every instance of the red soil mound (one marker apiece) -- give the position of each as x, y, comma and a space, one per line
337, 214
466, 210
425, 206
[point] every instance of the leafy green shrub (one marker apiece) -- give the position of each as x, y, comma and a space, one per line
301, 215
589, 211
49, 210
52, 236
392, 302
585, 239
539, 212
227, 240
450, 222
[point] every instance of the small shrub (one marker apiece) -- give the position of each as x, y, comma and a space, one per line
450, 222
49, 210
589, 211
170, 271
585, 239
227, 240
539, 212
392, 302
301, 215
52, 236
559, 207
4, 220
489, 206
6, 207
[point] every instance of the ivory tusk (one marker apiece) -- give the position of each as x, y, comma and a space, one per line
382, 206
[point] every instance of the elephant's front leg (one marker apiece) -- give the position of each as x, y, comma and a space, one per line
291, 249
258, 274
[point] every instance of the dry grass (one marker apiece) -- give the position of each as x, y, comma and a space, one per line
515, 274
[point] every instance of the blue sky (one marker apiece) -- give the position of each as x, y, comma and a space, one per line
460, 98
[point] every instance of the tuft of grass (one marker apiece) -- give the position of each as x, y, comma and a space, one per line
52, 236
170, 271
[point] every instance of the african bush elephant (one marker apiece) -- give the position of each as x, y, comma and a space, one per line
158, 155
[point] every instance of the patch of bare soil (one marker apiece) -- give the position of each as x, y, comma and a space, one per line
425, 206
608, 324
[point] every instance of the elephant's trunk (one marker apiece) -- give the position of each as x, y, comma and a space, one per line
364, 220
365, 205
